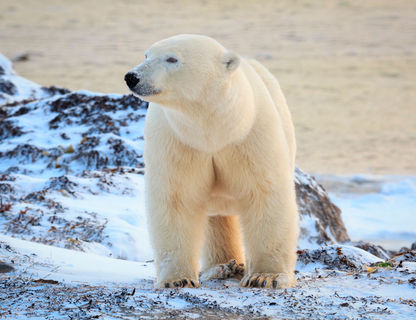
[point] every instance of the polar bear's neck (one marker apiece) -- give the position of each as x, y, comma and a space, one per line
213, 124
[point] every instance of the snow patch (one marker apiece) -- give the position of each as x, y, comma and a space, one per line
386, 218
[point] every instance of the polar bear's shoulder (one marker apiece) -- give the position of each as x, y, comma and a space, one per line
273, 87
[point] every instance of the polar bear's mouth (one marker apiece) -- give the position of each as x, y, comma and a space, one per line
144, 90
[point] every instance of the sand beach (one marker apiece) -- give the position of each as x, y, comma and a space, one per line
347, 68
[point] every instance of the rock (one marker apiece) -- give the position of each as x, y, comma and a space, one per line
316, 206
21, 57
376, 250
7, 87
408, 256
4, 267
337, 257
403, 249
52, 90
413, 247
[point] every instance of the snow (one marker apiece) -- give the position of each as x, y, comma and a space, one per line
123, 210
122, 207
385, 216
321, 292
308, 232
75, 266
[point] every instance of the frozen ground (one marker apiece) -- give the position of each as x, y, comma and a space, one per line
335, 282
73, 226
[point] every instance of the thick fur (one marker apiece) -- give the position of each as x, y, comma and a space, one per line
219, 155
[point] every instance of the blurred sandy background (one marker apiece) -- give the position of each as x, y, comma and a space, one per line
347, 68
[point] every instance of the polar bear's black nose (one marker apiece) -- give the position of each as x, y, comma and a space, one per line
131, 79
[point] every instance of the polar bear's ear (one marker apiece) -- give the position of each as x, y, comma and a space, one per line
230, 61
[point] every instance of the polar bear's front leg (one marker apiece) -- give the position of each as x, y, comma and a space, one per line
270, 236
177, 239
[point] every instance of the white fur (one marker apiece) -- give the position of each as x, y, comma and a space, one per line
219, 141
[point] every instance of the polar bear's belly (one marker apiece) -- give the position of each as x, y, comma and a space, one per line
222, 205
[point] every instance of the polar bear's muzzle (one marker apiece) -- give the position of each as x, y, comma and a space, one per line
131, 79
139, 87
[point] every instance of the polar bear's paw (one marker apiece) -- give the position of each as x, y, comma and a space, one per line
268, 280
231, 269
178, 283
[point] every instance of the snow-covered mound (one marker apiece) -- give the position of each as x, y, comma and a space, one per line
336, 257
71, 172
14, 88
72, 132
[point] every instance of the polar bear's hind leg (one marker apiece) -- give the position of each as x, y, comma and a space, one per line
223, 254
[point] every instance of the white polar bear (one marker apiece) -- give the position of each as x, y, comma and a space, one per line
219, 154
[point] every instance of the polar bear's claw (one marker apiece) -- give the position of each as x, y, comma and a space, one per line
180, 283
268, 280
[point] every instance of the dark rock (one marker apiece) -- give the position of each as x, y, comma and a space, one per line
408, 256
95, 103
7, 87
404, 249
8, 129
4, 268
37, 196
413, 247
16, 103
376, 250
6, 177
65, 136
335, 257
52, 90
314, 201
26, 152
22, 57
2, 72
12, 169
6, 188
123, 155
3, 113
94, 111
22, 110
62, 183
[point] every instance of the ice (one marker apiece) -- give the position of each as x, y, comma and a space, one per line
387, 217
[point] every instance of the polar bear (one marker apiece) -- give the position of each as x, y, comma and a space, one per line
219, 156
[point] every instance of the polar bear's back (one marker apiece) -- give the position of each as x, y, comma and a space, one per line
280, 103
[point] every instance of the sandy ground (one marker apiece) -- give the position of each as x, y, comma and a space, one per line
348, 68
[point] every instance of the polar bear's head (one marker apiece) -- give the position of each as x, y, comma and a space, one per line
182, 69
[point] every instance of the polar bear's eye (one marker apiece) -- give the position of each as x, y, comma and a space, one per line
171, 60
